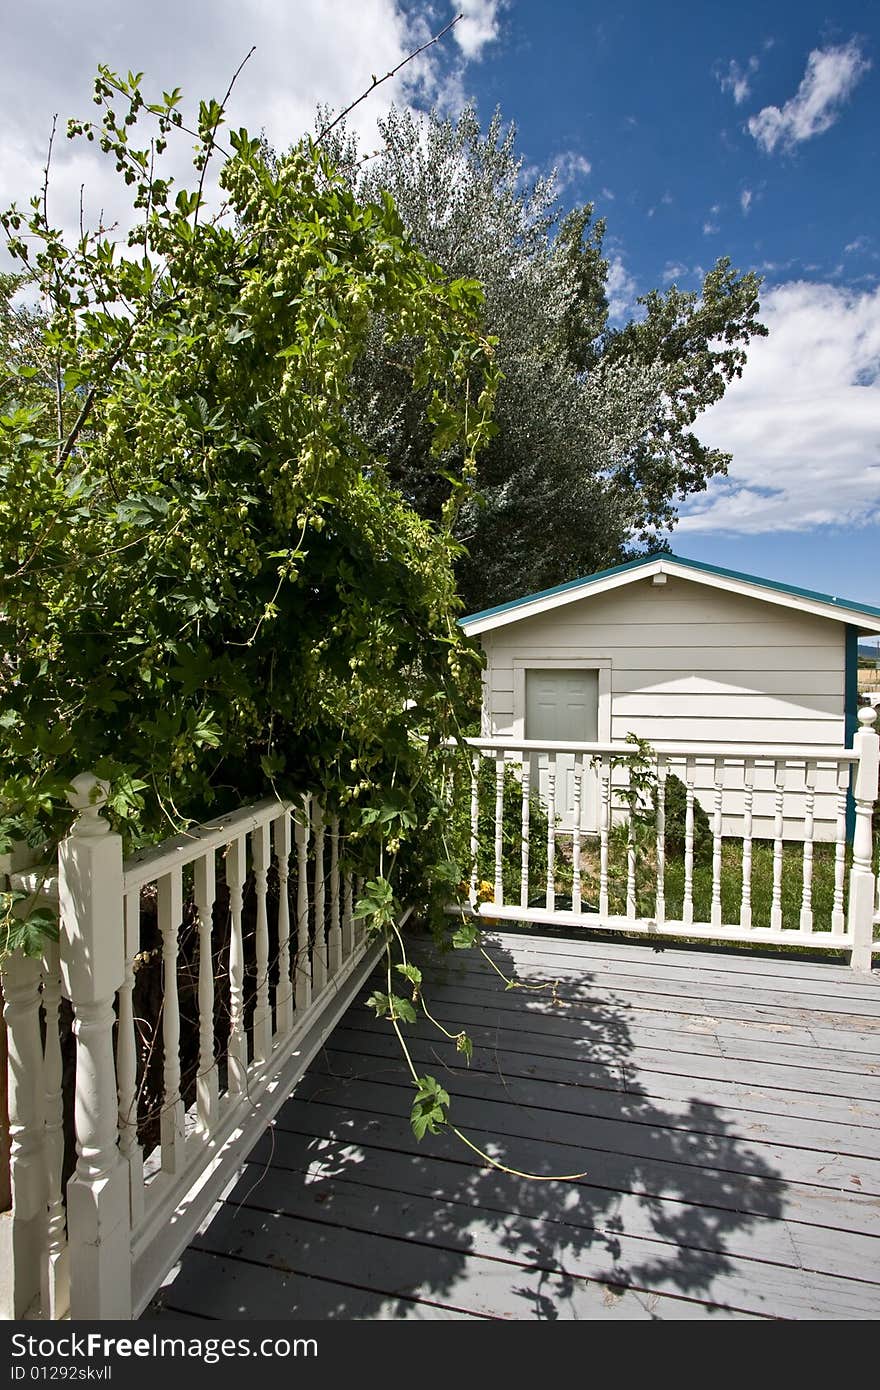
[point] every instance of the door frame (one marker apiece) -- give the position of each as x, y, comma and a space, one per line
602, 664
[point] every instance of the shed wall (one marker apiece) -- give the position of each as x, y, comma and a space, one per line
690, 664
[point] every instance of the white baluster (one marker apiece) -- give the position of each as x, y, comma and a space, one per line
745, 911
631, 812
171, 1123
335, 940
551, 833
499, 829
26, 1101
207, 1085
126, 1061
360, 926
55, 1272
806, 919
717, 826
604, 828
283, 993
90, 886
687, 910
347, 916
303, 967
838, 916
576, 832
319, 939
861, 880
526, 812
262, 1019
236, 1047
778, 825
660, 897
475, 828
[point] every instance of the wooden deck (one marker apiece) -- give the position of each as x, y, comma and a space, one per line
725, 1108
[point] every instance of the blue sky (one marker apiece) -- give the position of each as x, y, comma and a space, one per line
654, 112
698, 130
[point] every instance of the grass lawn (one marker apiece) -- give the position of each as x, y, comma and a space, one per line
731, 881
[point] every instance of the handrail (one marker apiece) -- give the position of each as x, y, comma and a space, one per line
270, 944
767, 752
179, 850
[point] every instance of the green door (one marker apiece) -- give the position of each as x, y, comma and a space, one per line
563, 706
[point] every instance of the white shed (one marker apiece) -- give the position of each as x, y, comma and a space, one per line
676, 652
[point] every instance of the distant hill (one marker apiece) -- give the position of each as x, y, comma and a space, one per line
869, 649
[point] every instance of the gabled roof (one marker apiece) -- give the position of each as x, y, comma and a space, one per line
860, 615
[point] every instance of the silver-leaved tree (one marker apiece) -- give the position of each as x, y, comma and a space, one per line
594, 447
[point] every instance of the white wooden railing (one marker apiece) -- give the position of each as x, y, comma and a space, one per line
783, 797
265, 1000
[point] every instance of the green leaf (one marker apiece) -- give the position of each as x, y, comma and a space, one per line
381, 1003
465, 936
411, 972
429, 1109
392, 1006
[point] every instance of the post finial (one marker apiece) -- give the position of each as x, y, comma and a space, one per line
867, 715
87, 794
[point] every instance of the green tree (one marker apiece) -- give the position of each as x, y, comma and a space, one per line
593, 449
210, 586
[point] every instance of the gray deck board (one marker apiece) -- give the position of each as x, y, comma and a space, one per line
556, 1084
692, 1242
330, 1212
859, 1084
725, 1110
689, 990
497, 1110
525, 1031
759, 1193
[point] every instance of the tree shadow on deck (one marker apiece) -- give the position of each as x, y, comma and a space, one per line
341, 1213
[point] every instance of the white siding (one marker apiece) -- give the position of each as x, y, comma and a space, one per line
688, 664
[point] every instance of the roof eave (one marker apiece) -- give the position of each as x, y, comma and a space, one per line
589, 588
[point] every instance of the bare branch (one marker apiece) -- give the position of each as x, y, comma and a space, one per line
59, 422
46, 171
212, 140
377, 81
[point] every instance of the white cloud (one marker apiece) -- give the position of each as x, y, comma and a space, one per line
803, 423
711, 224
745, 200
736, 80
674, 270
478, 27
830, 77
569, 167
309, 52
620, 288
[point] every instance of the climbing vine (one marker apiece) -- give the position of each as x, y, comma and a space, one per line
210, 590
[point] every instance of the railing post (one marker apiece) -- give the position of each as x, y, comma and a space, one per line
19, 1267
90, 884
20, 1280
55, 1293
860, 917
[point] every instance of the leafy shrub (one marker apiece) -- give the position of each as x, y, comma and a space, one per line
511, 828
676, 809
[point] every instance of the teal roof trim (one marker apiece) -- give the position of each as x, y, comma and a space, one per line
697, 565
